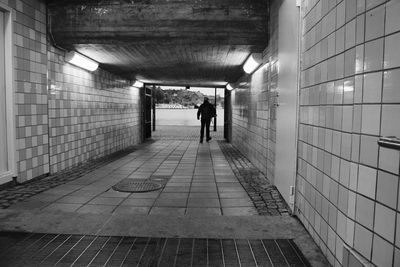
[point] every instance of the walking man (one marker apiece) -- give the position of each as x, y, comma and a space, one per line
207, 112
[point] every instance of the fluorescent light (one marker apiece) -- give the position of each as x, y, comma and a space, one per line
229, 87
252, 62
137, 84
81, 61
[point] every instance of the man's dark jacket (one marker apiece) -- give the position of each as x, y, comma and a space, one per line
206, 110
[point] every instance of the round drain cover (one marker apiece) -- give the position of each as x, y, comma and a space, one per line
136, 186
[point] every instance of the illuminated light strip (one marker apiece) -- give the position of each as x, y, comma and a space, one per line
252, 62
137, 84
229, 87
81, 61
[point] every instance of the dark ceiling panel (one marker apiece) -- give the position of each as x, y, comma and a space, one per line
164, 41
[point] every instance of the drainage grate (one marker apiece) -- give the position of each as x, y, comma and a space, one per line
36, 249
137, 185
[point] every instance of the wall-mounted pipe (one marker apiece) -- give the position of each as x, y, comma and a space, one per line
389, 142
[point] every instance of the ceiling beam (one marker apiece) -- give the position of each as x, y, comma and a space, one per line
233, 22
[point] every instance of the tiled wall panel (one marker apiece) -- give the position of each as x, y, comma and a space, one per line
254, 109
348, 186
30, 79
90, 114
84, 115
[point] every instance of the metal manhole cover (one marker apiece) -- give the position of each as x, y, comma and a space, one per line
136, 185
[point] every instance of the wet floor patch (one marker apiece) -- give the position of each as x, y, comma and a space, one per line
40, 249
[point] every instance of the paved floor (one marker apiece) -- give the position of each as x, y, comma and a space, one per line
200, 182
207, 195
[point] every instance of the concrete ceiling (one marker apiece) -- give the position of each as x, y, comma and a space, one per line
175, 42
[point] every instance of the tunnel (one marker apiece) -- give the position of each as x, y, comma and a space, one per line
103, 159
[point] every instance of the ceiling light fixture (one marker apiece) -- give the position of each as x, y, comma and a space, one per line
252, 62
229, 87
137, 84
81, 61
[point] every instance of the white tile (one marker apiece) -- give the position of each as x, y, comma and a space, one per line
398, 232
372, 90
347, 123
350, 232
351, 9
350, 40
340, 15
371, 115
385, 222
355, 144
350, 62
392, 17
360, 6
340, 40
366, 181
338, 98
390, 120
389, 160
358, 88
391, 88
386, 189
359, 59
365, 211
331, 44
353, 176
373, 3
363, 241
339, 66
373, 55
374, 23
360, 29
330, 92
348, 91
369, 150
382, 252
392, 55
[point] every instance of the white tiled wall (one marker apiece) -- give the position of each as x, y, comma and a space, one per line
254, 110
348, 186
91, 114
30, 70
253, 122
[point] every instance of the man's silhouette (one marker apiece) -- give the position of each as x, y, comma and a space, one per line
207, 112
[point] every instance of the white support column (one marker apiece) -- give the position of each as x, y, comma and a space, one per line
8, 168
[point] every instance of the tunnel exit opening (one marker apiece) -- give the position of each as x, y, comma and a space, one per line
172, 111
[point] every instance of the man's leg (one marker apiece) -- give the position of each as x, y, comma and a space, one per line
202, 131
208, 130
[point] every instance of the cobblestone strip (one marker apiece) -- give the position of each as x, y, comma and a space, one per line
20, 192
265, 196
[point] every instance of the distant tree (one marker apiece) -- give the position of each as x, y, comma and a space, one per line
159, 95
